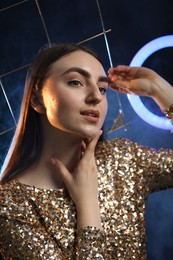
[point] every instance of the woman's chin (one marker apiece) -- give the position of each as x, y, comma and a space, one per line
91, 134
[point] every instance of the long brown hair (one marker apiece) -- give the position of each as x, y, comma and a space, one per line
27, 141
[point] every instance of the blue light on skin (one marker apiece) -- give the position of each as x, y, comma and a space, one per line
135, 101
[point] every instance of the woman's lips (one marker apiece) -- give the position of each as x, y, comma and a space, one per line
91, 115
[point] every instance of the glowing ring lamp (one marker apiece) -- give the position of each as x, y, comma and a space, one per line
135, 101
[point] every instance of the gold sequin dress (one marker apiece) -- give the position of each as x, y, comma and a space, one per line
37, 223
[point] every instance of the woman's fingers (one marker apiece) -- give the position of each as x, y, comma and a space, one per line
133, 80
90, 146
121, 89
120, 79
126, 71
87, 147
62, 170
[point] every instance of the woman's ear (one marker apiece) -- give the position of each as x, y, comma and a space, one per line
36, 103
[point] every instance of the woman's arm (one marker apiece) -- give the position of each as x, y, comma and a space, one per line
82, 185
142, 81
22, 240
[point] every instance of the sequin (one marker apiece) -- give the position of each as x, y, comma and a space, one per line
41, 224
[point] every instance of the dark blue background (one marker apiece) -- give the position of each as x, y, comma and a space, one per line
26, 26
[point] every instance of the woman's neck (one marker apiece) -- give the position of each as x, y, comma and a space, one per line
60, 145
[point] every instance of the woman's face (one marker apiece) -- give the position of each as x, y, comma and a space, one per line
74, 94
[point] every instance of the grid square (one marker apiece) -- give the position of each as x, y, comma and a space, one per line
22, 34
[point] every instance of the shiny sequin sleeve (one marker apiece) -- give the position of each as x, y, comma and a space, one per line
128, 173
41, 224
169, 113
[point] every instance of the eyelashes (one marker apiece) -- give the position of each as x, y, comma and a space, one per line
77, 83
102, 90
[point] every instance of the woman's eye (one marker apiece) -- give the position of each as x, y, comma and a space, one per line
102, 90
74, 83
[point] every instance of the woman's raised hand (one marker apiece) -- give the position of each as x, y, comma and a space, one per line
82, 184
141, 81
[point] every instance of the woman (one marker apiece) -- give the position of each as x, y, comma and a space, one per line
62, 194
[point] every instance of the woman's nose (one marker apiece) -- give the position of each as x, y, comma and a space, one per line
94, 95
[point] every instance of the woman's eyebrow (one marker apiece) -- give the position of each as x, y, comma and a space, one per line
103, 79
85, 73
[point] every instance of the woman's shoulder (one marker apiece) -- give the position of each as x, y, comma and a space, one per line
9, 188
11, 193
15, 200
116, 144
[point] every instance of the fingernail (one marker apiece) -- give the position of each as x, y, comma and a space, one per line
53, 161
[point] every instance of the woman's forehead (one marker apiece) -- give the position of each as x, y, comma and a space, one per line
78, 59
